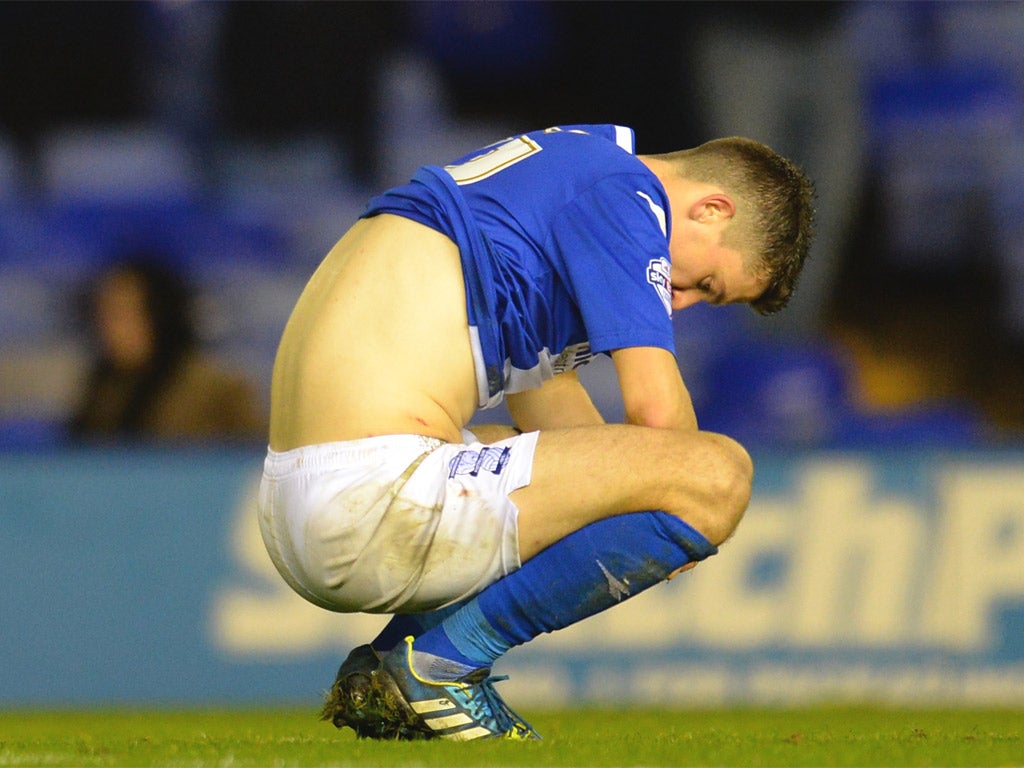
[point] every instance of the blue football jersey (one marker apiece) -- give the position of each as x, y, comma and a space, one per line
563, 235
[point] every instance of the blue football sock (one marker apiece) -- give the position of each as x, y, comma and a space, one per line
585, 573
403, 625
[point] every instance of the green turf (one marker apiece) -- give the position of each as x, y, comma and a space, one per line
823, 736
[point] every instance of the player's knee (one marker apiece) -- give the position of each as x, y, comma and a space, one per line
728, 482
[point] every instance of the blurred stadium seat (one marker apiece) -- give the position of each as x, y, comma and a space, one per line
786, 395
948, 425
777, 394
120, 162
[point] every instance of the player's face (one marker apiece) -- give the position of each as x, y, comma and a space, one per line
705, 270
122, 321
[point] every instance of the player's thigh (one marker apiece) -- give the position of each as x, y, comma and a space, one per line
585, 474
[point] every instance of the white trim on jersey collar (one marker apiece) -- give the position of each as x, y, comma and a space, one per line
624, 138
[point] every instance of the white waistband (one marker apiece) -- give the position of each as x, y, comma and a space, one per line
355, 451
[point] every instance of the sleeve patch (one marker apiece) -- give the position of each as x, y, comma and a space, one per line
659, 275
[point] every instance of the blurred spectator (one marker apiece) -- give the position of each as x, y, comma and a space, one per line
150, 380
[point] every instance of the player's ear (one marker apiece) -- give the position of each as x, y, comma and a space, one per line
715, 207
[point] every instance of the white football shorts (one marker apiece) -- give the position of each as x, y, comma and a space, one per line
394, 524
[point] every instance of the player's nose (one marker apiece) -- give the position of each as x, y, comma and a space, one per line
683, 298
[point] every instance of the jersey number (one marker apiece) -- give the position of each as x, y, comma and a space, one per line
489, 163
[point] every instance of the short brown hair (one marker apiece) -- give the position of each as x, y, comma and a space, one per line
774, 221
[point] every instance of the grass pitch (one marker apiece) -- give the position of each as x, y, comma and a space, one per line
822, 736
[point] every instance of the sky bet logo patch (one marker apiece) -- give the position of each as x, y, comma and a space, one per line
658, 272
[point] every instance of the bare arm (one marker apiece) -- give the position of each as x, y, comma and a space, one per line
653, 391
561, 402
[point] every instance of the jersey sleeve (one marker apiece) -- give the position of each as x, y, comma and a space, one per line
612, 250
